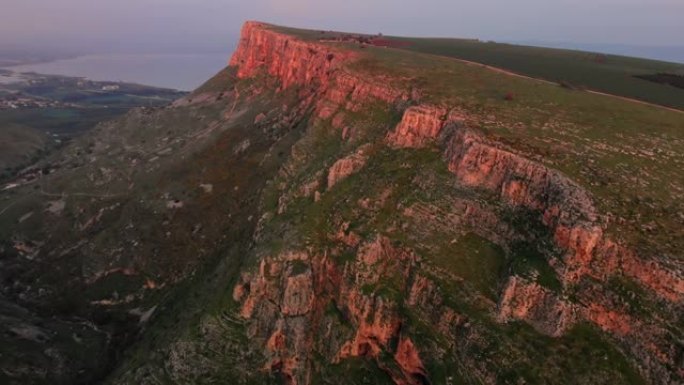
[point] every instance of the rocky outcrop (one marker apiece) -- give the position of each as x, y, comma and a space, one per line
519, 181
292, 61
298, 296
546, 311
288, 298
314, 67
591, 252
377, 322
566, 209
408, 358
421, 125
280, 298
571, 218
347, 166
352, 90
541, 308
418, 125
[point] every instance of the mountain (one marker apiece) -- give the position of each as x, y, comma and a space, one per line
340, 209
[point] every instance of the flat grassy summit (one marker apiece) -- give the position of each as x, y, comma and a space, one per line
652, 81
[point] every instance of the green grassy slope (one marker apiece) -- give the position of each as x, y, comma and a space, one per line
606, 73
18, 145
114, 185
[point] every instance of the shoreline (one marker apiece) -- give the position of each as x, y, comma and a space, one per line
183, 72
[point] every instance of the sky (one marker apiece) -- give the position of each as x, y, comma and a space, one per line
193, 26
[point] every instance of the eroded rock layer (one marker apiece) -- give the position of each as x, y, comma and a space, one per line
290, 298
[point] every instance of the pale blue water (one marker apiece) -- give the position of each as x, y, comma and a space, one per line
179, 71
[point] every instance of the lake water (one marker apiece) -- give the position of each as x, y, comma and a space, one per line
179, 71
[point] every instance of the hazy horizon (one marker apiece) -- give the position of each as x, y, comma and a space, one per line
183, 26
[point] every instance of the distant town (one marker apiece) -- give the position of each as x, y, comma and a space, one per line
22, 91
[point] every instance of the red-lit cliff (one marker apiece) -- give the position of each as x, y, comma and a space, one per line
288, 310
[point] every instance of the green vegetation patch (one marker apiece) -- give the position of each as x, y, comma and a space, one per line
607, 73
583, 356
475, 259
350, 371
527, 261
221, 82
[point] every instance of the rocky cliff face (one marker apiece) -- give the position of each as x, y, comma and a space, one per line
347, 166
291, 60
289, 299
307, 65
565, 208
302, 304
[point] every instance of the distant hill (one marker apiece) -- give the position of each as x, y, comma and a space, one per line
674, 54
11, 56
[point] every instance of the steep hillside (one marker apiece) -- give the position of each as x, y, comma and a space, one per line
322, 213
103, 235
18, 144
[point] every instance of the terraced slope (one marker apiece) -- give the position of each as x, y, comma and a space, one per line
320, 213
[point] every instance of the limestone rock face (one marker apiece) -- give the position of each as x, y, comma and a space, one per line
314, 67
293, 61
567, 209
524, 300
298, 296
378, 324
287, 309
423, 124
568, 212
409, 360
347, 166
519, 181
418, 125
351, 90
